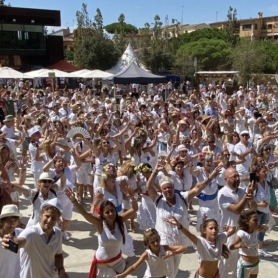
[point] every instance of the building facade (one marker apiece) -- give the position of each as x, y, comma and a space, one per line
24, 43
260, 28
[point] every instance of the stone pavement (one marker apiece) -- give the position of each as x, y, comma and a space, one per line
79, 251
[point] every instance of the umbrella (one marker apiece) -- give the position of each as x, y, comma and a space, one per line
58, 73
34, 73
97, 74
6, 72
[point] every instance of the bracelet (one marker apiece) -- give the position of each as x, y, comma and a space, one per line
60, 269
180, 227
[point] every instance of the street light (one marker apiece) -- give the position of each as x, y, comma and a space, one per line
182, 14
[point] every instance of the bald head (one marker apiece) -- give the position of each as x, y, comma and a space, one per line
232, 178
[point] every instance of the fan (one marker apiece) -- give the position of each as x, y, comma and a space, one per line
78, 131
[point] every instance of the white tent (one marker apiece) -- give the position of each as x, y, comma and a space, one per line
97, 74
127, 58
44, 73
81, 73
34, 73
6, 72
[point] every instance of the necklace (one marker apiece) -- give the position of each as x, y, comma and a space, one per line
112, 230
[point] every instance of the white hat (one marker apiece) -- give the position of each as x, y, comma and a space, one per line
10, 210
54, 203
33, 130
45, 176
244, 132
182, 148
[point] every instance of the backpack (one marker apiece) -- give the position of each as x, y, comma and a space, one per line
160, 197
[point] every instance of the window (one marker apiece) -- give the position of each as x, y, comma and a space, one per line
246, 27
269, 26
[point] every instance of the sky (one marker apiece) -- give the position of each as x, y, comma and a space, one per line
138, 12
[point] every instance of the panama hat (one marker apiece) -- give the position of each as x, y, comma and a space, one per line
9, 118
10, 210
53, 203
45, 176
205, 117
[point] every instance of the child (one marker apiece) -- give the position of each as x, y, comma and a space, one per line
154, 256
210, 246
246, 241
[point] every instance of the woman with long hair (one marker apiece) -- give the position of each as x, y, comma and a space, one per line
108, 260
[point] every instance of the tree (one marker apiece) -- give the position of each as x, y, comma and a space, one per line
154, 51
68, 55
212, 54
248, 57
92, 47
230, 26
114, 27
120, 34
2, 2
271, 55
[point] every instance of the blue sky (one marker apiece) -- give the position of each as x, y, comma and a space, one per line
138, 12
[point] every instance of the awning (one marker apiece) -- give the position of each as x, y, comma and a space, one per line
272, 34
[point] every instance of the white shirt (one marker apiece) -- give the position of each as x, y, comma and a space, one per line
226, 197
9, 261
9, 131
240, 148
37, 256
263, 194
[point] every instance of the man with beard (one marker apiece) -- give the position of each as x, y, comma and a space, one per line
232, 201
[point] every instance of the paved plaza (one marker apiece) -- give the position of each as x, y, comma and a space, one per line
79, 251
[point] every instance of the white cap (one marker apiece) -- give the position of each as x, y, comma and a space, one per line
244, 132
54, 203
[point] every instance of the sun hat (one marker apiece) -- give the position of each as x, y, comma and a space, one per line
205, 117
10, 210
181, 148
9, 118
33, 130
53, 203
45, 176
244, 132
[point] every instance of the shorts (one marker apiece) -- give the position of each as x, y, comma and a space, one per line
247, 271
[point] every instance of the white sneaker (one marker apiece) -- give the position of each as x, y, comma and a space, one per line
263, 253
65, 235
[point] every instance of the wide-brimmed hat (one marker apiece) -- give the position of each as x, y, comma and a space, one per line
9, 118
45, 176
205, 117
53, 203
24, 107
9, 211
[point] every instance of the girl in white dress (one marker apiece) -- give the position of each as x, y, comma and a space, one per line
155, 256
108, 260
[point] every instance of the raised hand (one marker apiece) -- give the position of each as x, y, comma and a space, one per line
70, 194
172, 221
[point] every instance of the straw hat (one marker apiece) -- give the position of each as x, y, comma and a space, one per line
45, 176
10, 210
9, 118
205, 117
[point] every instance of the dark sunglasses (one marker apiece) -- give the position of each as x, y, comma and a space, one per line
211, 142
46, 181
245, 135
268, 149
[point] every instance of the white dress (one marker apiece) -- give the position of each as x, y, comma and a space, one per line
117, 200
109, 246
100, 162
207, 199
146, 214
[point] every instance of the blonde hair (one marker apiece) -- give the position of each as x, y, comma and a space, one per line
148, 234
127, 169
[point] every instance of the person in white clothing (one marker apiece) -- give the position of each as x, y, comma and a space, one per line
232, 200
41, 245
155, 256
9, 261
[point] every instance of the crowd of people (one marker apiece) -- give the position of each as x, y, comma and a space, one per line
143, 160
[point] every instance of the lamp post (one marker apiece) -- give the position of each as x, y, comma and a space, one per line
182, 14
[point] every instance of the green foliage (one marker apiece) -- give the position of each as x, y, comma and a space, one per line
248, 57
68, 55
230, 26
212, 54
92, 47
271, 54
114, 27
206, 33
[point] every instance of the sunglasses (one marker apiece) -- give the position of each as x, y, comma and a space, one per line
46, 181
227, 154
235, 136
245, 135
211, 142
268, 149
